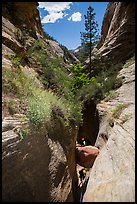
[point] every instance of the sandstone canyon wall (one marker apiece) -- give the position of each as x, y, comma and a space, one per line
40, 167
112, 177
117, 42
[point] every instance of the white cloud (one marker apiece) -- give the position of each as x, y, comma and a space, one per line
52, 17
75, 17
55, 10
55, 6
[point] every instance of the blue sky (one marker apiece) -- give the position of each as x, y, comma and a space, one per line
65, 20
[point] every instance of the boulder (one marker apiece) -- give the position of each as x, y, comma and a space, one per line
85, 156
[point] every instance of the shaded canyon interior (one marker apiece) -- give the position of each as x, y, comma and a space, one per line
42, 167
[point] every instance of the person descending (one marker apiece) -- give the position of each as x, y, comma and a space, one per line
82, 174
83, 142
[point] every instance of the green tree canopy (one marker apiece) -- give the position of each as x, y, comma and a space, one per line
90, 36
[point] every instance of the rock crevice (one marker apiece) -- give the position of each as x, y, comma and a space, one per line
112, 177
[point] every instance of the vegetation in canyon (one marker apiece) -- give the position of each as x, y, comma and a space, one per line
52, 97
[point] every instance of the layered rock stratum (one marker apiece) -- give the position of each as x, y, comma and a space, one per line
112, 177
40, 167
117, 43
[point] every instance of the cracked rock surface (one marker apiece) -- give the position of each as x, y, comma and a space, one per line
112, 177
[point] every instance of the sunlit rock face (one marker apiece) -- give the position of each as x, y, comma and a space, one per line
117, 42
112, 177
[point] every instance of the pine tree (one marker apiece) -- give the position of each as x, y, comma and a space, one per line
90, 37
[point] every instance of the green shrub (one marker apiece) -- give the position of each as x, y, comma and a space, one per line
125, 118
39, 102
23, 132
38, 108
37, 45
11, 106
110, 95
43, 104
129, 62
79, 77
91, 91
16, 61
108, 80
100, 86
116, 112
53, 73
